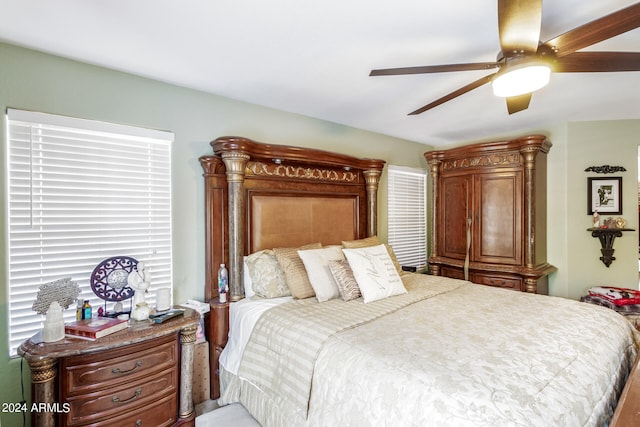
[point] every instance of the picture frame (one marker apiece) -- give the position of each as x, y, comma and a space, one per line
604, 195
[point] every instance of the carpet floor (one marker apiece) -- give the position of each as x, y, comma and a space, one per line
234, 415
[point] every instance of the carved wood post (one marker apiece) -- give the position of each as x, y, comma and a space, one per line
372, 178
187, 341
235, 163
43, 374
215, 223
529, 157
434, 169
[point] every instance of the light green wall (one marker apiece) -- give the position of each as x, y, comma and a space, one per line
576, 146
35, 81
557, 216
595, 144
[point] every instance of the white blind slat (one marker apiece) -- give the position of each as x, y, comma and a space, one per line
407, 211
78, 192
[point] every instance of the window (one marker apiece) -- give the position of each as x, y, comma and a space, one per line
408, 215
79, 192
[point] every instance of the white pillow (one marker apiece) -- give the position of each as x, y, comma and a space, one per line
246, 278
375, 272
316, 262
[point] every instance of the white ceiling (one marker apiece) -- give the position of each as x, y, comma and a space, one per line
314, 57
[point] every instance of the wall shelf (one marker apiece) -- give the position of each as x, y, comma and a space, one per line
606, 237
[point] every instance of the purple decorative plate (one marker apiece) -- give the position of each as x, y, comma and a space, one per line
109, 278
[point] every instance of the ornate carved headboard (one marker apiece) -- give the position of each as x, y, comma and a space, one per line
261, 196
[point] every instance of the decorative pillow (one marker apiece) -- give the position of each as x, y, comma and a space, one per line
267, 278
343, 276
316, 262
373, 241
375, 273
294, 271
361, 243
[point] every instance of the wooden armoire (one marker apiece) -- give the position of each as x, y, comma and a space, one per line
489, 213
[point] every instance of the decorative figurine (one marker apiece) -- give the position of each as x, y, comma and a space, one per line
596, 219
138, 280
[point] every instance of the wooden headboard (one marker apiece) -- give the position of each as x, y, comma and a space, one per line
260, 196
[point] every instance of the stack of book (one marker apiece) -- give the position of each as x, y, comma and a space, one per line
94, 328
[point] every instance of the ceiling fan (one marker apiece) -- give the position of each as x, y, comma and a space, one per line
525, 63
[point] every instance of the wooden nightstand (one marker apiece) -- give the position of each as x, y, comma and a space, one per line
140, 375
219, 331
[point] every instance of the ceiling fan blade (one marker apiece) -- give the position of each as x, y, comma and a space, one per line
519, 24
454, 94
596, 31
585, 62
518, 103
434, 69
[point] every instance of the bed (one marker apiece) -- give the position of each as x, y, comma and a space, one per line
413, 349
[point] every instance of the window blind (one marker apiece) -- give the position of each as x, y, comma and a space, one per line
407, 210
79, 192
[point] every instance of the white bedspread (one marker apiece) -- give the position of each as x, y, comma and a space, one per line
472, 355
243, 316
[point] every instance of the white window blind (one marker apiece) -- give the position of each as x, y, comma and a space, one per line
407, 221
79, 192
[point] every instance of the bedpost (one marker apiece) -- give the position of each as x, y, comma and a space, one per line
235, 162
215, 202
372, 178
434, 167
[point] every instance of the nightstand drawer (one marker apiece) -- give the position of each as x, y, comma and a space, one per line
88, 373
133, 398
159, 414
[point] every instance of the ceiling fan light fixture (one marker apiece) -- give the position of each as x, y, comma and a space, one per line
523, 77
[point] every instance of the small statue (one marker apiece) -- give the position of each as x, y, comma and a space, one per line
139, 281
596, 219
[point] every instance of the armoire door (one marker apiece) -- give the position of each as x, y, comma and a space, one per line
498, 218
456, 205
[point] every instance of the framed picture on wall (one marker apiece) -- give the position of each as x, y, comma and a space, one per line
604, 195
